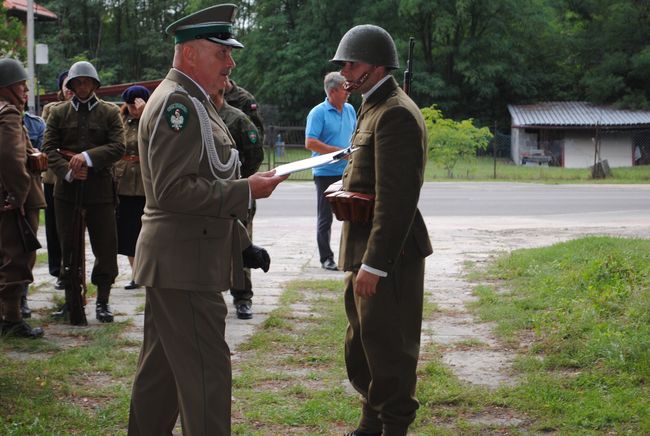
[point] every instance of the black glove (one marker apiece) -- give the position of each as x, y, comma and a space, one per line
256, 257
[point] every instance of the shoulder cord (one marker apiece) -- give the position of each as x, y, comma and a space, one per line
232, 165
207, 140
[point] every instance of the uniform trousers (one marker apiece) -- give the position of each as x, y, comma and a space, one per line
184, 364
382, 346
16, 265
324, 220
246, 295
100, 221
51, 234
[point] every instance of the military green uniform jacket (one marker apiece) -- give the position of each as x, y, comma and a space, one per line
127, 169
243, 100
392, 142
246, 136
48, 176
94, 127
190, 239
17, 184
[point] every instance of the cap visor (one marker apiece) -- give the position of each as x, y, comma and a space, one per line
230, 42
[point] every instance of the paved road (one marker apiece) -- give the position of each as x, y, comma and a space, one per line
446, 199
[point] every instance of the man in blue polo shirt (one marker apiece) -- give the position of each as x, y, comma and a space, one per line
329, 128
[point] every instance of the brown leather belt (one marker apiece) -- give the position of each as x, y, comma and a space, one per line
131, 158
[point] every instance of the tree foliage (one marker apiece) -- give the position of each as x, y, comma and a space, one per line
472, 57
11, 37
452, 141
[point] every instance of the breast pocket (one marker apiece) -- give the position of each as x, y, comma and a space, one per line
205, 248
364, 156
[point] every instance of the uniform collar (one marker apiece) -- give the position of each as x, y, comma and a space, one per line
193, 88
377, 85
90, 102
378, 93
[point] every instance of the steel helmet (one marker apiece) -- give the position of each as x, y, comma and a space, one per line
11, 71
367, 43
82, 69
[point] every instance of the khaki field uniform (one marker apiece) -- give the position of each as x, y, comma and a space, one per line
22, 188
96, 128
383, 338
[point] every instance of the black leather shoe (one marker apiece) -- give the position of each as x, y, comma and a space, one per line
132, 285
244, 310
24, 308
103, 312
21, 329
329, 265
59, 286
61, 313
358, 432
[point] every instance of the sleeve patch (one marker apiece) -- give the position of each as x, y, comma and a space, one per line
252, 136
176, 115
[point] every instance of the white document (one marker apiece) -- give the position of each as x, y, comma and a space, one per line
313, 162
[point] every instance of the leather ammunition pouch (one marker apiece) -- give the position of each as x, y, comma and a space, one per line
37, 162
355, 207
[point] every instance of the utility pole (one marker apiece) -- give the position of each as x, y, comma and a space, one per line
30, 54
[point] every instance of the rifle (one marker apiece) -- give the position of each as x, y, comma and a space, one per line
408, 72
74, 271
27, 236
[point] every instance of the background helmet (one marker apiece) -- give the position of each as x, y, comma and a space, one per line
367, 43
82, 69
11, 71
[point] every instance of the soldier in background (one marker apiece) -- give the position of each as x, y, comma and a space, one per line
51, 234
251, 155
20, 194
91, 131
238, 97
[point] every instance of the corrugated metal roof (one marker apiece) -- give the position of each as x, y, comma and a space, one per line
575, 113
21, 6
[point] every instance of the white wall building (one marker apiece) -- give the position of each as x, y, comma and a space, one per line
565, 133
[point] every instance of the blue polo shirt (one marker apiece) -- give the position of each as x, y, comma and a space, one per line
332, 127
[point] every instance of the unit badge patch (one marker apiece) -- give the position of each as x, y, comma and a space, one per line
176, 115
252, 136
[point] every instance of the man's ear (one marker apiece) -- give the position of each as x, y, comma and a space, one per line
189, 53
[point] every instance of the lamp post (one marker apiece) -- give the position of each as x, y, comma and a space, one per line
30, 53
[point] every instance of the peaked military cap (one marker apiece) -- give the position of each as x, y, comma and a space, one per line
214, 24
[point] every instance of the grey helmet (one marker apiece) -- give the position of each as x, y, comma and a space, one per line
11, 71
82, 69
367, 43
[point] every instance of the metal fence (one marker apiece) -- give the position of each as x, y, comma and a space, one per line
284, 144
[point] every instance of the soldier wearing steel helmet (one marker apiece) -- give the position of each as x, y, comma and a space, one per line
20, 194
190, 246
383, 258
90, 132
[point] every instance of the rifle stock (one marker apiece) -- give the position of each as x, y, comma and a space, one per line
74, 270
27, 235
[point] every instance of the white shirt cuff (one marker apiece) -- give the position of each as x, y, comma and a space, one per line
89, 162
374, 271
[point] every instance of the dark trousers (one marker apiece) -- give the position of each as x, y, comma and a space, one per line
100, 221
184, 365
382, 347
51, 234
15, 264
324, 222
246, 295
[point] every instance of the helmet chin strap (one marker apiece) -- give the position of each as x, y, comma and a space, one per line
355, 84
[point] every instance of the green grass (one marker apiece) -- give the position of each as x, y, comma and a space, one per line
482, 169
581, 309
57, 389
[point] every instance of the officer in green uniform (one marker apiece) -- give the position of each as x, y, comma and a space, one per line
190, 248
383, 258
239, 98
91, 131
20, 194
251, 155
